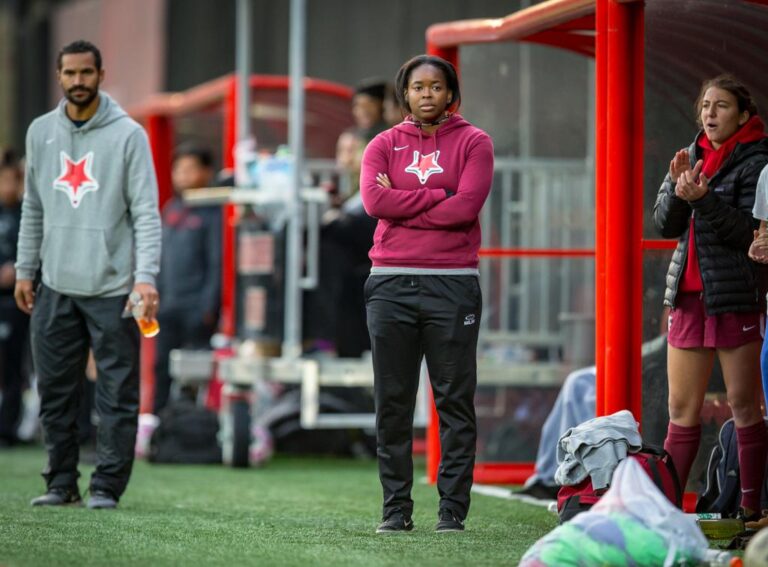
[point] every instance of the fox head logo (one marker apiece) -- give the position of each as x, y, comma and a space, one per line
424, 166
75, 179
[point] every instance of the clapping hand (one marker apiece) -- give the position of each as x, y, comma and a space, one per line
692, 185
758, 251
679, 165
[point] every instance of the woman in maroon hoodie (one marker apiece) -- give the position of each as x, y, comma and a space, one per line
706, 202
426, 180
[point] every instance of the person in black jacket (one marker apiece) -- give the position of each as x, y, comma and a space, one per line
14, 324
190, 270
712, 286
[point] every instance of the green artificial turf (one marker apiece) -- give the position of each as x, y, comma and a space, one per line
293, 511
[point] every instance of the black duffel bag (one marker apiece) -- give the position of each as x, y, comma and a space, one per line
187, 433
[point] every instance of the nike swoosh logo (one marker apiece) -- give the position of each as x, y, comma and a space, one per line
49, 141
397, 149
745, 328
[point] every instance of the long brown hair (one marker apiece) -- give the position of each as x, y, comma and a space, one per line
732, 85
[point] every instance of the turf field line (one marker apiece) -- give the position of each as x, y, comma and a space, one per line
507, 494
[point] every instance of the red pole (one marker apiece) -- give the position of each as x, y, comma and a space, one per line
227, 322
230, 123
636, 12
450, 54
601, 70
623, 205
160, 134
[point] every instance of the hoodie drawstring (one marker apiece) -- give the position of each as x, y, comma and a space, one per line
419, 125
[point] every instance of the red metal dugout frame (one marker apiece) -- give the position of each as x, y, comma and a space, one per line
612, 32
158, 113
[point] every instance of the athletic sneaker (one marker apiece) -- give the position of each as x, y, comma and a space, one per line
538, 491
757, 523
395, 523
59, 497
101, 500
448, 522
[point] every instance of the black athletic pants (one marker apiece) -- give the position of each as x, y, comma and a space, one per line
437, 317
63, 328
179, 328
13, 340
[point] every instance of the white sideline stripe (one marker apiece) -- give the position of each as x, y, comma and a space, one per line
496, 491
506, 494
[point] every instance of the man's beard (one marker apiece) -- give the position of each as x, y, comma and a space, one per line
81, 103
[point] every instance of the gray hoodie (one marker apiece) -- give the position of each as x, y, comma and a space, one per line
90, 210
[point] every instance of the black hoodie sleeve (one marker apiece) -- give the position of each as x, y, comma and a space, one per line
211, 292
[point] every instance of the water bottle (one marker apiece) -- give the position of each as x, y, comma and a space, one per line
721, 558
275, 174
246, 161
148, 327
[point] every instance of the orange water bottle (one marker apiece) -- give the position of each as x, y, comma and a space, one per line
148, 327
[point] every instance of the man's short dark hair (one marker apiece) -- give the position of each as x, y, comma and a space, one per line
203, 155
79, 46
8, 158
374, 88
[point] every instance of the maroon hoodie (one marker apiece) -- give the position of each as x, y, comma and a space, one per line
429, 218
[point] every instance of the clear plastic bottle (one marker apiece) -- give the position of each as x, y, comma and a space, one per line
721, 558
148, 327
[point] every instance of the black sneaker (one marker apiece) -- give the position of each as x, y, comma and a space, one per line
59, 497
747, 515
395, 523
448, 522
101, 500
537, 491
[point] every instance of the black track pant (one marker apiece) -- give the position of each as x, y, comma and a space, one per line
179, 328
437, 317
12, 346
63, 328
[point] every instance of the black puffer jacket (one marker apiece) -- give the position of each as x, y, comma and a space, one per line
724, 225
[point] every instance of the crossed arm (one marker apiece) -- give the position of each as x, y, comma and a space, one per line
428, 208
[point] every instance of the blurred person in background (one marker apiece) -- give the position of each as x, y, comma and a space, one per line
349, 153
90, 223
392, 113
368, 108
190, 270
758, 251
426, 180
713, 289
14, 324
336, 309
576, 403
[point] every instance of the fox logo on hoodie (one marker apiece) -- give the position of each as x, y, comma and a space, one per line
424, 166
76, 179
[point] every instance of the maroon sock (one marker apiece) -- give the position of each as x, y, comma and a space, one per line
682, 443
753, 447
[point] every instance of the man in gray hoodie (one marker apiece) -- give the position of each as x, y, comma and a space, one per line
90, 217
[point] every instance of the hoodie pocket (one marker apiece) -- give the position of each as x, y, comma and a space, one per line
77, 260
